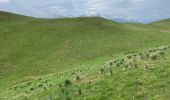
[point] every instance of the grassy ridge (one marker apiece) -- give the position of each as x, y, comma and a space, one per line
32, 47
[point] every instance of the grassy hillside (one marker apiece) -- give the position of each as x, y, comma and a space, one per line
51, 49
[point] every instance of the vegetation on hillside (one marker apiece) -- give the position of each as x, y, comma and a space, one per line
56, 58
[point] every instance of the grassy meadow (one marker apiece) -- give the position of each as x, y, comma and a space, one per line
69, 59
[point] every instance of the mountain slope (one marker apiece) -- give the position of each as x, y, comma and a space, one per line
7, 16
34, 47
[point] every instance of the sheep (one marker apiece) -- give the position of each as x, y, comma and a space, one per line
111, 63
129, 56
142, 57
162, 53
147, 55
163, 48
121, 62
150, 50
130, 63
154, 56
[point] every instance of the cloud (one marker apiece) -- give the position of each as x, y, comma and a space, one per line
130, 10
4, 1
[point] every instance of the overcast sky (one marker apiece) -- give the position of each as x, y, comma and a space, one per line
129, 10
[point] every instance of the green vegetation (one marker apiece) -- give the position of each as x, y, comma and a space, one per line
67, 59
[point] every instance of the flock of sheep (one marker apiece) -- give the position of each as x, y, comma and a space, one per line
129, 61
132, 60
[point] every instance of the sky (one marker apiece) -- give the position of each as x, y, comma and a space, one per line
123, 10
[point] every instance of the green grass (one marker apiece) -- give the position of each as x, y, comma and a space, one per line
54, 49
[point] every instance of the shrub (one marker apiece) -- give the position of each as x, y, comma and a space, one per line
77, 78
15, 88
40, 85
29, 83
50, 96
45, 88
154, 50
10, 88
32, 89
46, 81
140, 54
135, 65
122, 60
79, 92
117, 64
147, 55
67, 82
115, 61
134, 60
72, 73
62, 90
60, 85
68, 98
111, 72
126, 66
26, 91
40, 79
50, 85
101, 70
146, 66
